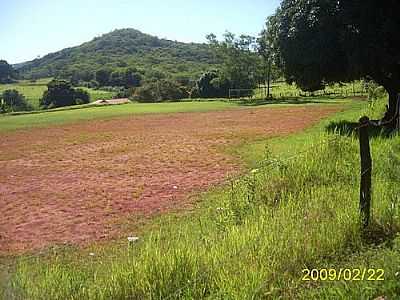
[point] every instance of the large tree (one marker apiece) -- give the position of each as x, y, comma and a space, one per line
324, 41
240, 62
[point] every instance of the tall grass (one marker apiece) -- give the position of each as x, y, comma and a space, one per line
249, 240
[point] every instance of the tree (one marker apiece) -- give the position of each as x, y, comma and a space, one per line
60, 93
126, 78
240, 62
266, 49
103, 76
212, 84
7, 73
81, 96
161, 90
321, 41
12, 100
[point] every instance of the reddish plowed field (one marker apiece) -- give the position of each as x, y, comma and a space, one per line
74, 183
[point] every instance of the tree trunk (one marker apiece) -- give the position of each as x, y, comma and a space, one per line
391, 112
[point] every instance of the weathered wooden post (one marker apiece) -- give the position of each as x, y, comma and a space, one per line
366, 170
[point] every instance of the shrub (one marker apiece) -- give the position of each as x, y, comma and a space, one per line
213, 84
12, 100
60, 93
161, 90
81, 95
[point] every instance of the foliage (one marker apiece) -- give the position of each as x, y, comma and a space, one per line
102, 77
161, 90
81, 96
374, 90
211, 85
321, 41
7, 73
61, 93
120, 50
12, 100
241, 67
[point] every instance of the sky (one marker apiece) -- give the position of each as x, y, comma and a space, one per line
32, 28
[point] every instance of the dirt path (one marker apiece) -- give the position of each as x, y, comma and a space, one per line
73, 183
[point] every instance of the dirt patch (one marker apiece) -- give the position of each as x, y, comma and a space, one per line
74, 183
111, 101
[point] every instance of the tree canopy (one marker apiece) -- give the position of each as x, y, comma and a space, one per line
240, 63
7, 73
61, 93
12, 100
321, 41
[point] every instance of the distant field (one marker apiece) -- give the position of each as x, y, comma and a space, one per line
46, 118
33, 91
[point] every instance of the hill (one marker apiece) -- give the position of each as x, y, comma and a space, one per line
121, 49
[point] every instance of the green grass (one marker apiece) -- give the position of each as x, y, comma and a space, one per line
84, 113
57, 117
252, 238
98, 94
282, 89
33, 91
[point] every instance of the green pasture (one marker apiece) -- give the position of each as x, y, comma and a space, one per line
33, 90
82, 113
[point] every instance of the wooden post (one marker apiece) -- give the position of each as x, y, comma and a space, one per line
366, 170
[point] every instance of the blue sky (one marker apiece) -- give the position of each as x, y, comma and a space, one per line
29, 28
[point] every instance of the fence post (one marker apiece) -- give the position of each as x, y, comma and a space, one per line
366, 170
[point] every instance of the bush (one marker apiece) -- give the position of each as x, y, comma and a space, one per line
212, 85
161, 90
81, 95
60, 93
12, 100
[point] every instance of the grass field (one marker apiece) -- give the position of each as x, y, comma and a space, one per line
74, 114
296, 208
33, 91
284, 90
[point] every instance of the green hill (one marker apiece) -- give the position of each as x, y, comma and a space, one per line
121, 49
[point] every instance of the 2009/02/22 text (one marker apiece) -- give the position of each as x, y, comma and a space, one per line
343, 274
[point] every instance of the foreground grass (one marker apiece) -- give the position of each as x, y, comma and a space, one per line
298, 209
79, 113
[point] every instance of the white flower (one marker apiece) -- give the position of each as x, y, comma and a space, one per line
91, 254
254, 171
132, 239
174, 187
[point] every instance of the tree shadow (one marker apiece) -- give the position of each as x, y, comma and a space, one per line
347, 128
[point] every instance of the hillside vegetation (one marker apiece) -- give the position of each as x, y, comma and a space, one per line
121, 49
